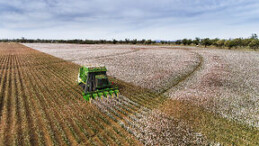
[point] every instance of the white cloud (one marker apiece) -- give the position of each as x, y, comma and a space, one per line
119, 19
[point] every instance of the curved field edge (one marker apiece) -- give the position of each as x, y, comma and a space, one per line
184, 75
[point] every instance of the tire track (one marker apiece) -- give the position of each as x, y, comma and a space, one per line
6, 102
54, 134
17, 126
25, 122
3, 82
33, 132
10, 106
185, 76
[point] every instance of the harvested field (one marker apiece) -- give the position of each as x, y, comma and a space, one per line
40, 103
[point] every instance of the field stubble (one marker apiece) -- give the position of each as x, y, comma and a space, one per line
42, 105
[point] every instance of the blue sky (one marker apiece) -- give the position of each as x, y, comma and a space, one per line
120, 19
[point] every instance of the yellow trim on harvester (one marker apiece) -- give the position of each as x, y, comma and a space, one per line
81, 81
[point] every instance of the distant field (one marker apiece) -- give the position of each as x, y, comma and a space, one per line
169, 96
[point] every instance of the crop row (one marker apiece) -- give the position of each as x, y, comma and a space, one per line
40, 104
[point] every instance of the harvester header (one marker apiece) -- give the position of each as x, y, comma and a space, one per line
95, 83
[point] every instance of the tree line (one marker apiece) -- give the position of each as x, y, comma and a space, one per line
80, 41
251, 42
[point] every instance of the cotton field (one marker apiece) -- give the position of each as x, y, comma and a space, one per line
192, 95
149, 67
227, 83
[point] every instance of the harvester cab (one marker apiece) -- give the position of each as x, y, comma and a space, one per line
95, 83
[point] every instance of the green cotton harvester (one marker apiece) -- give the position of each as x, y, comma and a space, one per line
95, 83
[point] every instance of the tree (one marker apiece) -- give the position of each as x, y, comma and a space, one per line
165, 42
238, 42
134, 41
197, 41
246, 42
189, 41
254, 44
148, 42
127, 41
184, 41
254, 36
231, 43
114, 41
206, 42
178, 42
214, 41
142, 41
220, 43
